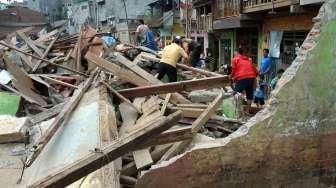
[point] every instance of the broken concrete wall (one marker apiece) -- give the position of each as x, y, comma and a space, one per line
291, 143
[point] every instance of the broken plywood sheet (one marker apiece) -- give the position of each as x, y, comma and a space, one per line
108, 176
12, 129
71, 142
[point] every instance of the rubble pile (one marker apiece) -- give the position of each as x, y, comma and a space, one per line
44, 79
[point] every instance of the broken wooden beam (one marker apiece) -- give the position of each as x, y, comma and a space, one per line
23, 83
44, 55
116, 70
190, 85
50, 113
107, 154
195, 127
62, 117
196, 70
44, 60
165, 104
116, 93
30, 43
176, 97
59, 82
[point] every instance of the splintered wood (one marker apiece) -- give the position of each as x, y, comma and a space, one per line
142, 121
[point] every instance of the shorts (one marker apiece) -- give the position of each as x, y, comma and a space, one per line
246, 85
259, 100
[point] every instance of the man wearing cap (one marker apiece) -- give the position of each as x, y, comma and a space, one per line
171, 55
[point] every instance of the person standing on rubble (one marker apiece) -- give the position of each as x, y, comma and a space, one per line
265, 66
244, 74
195, 54
171, 55
141, 32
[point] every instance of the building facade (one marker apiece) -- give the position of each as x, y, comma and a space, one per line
279, 25
53, 10
118, 16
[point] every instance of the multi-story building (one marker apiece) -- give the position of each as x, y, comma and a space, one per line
166, 18
280, 25
53, 10
118, 16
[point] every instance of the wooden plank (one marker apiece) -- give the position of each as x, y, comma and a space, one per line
59, 82
195, 127
67, 57
170, 136
196, 70
150, 106
44, 60
142, 158
116, 93
165, 104
46, 37
110, 174
206, 115
199, 106
48, 114
189, 112
62, 117
79, 51
116, 70
147, 76
23, 83
115, 150
163, 142
26, 60
30, 43
44, 55
130, 168
190, 85
44, 47
135, 68
11, 129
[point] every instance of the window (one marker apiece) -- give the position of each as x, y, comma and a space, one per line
84, 7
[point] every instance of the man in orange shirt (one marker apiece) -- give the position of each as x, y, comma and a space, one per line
244, 74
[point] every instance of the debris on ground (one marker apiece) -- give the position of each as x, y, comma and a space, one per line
57, 85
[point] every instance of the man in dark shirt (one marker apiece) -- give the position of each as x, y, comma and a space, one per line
195, 55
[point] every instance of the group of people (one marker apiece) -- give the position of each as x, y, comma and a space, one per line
247, 78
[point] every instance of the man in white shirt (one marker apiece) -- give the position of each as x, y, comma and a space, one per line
141, 32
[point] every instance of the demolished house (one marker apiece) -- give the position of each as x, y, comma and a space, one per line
72, 103
76, 113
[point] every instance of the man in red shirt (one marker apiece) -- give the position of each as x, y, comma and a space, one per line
243, 75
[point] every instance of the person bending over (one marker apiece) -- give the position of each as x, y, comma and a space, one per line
171, 55
243, 74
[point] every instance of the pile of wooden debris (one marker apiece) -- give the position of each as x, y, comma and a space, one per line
65, 82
